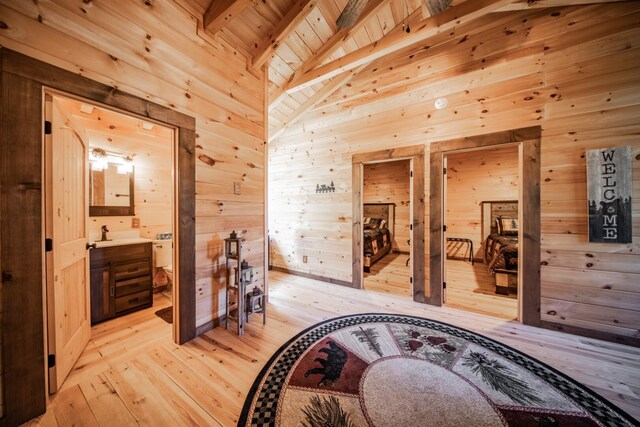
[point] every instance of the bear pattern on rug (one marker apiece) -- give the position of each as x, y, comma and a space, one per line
331, 366
379, 370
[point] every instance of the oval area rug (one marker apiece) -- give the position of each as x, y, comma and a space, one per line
396, 370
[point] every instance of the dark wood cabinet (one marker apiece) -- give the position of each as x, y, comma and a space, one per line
121, 280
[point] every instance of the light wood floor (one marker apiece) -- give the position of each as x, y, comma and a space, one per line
472, 287
133, 374
390, 275
469, 287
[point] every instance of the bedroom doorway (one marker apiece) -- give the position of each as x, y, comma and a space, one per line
414, 164
386, 224
481, 192
527, 141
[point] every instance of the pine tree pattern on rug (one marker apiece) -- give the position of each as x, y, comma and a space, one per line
379, 369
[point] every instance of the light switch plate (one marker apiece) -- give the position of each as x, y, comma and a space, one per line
135, 222
236, 188
304, 259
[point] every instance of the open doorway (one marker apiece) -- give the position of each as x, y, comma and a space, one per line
386, 226
414, 155
109, 218
528, 231
481, 193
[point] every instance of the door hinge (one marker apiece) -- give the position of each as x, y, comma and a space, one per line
47, 127
410, 279
444, 285
444, 228
6, 276
411, 174
51, 360
48, 245
410, 226
444, 171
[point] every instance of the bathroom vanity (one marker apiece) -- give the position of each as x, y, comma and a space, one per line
121, 278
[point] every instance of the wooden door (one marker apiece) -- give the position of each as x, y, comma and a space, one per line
67, 270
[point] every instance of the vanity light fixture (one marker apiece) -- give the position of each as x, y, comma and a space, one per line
86, 108
101, 158
146, 126
126, 165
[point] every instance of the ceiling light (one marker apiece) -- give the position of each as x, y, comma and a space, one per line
86, 108
440, 103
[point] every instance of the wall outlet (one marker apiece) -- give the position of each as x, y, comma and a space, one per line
304, 259
135, 222
236, 188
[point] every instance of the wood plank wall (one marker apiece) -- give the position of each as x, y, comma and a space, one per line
575, 71
389, 182
474, 177
152, 50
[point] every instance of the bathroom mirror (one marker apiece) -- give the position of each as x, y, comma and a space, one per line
110, 192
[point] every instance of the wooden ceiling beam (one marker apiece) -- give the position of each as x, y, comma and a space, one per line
445, 21
540, 4
434, 7
327, 90
296, 14
221, 12
337, 40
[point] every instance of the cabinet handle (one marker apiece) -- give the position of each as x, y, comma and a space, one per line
112, 290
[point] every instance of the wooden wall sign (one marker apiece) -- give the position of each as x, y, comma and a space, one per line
609, 194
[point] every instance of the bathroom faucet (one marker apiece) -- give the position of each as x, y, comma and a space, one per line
105, 230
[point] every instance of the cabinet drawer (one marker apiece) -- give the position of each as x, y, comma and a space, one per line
101, 257
131, 286
132, 301
123, 271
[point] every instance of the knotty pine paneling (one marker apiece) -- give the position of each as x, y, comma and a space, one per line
573, 71
153, 51
474, 177
389, 182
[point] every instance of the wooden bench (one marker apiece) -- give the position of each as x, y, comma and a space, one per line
463, 240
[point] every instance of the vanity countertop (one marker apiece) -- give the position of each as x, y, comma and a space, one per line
120, 242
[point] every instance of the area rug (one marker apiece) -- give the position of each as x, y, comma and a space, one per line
394, 370
166, 314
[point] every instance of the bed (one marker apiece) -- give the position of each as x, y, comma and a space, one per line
378, 223
500, 240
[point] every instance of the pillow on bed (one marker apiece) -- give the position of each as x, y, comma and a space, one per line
374, 224
507, 226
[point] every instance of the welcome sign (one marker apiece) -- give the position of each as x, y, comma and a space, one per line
609, 193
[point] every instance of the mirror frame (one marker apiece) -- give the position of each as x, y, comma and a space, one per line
115, 210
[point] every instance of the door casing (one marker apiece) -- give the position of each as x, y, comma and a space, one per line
528, 140
415, 154
23, 83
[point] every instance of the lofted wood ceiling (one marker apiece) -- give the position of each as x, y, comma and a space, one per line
309, 57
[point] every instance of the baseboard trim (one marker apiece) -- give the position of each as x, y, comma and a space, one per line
605, 336
209, 325
313, 276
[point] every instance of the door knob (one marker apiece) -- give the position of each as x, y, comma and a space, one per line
91, 246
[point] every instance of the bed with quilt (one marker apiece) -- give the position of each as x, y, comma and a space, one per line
376, 241
501, 245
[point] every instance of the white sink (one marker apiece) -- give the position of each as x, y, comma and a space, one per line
120, 242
